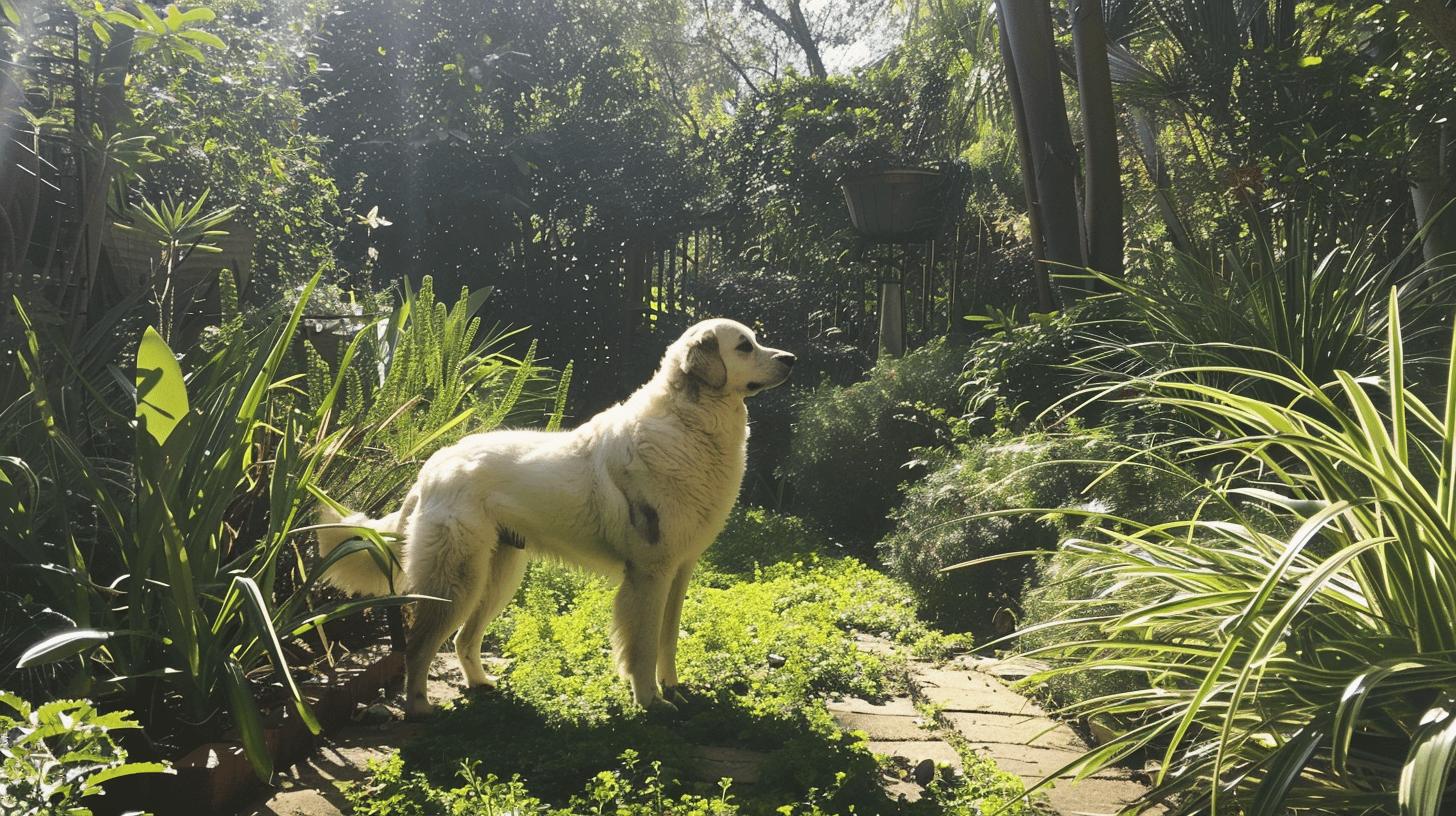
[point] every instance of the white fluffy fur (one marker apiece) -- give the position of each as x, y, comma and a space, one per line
636, 493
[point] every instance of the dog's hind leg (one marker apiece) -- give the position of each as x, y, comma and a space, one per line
507, 567
636, 625
447, 565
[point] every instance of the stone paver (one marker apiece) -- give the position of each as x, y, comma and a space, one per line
310, 788
885, 726
960, 690
1093, 797
1031, 762
1018, 729
917, 751
895, 706
975, 701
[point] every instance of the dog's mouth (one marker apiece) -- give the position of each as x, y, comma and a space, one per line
755, 386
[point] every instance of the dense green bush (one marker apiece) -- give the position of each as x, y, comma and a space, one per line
938, 526
852, 444
1020, 368
756, 537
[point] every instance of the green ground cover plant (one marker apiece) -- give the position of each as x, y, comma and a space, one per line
762, 650
55, 756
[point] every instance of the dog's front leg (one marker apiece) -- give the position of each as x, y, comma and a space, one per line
671, 624
637, 621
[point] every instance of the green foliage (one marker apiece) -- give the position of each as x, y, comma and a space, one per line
233, 125
756, 537
184, 530
760, 653
1296, 651
1300, 294
851, 445
951, 517
432, 380
1019, 370
55, 755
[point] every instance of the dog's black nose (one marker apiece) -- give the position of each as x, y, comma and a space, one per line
785, 358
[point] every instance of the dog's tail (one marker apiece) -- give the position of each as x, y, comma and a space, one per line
360, 573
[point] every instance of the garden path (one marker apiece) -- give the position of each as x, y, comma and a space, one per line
974, 705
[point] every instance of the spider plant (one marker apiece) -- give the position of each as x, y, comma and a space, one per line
1297, 654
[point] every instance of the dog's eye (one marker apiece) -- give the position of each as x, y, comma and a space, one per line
744, 346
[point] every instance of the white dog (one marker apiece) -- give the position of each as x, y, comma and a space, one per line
636, 493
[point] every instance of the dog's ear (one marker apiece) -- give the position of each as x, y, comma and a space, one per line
703, 362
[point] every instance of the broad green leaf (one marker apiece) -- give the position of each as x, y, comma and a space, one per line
160, 387
60, 646
247, 719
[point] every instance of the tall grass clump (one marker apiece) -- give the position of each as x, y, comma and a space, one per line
1294, 290
1297, 654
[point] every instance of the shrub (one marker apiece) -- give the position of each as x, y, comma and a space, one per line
1020, 369
938, 525
851, 444
757, 537
55, 755
1303, 664
180, 506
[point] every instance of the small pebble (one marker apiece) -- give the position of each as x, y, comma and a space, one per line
776, 661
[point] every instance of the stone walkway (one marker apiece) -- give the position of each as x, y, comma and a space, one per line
975, 705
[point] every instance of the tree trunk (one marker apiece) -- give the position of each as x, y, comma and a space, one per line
1433, 192
1102, 208
1028, 176
1028, 31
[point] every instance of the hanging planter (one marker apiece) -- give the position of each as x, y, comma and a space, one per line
895, 206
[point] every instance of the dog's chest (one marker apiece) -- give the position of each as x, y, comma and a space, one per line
693, 469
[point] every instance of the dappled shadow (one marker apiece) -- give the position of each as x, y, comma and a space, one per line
557, 757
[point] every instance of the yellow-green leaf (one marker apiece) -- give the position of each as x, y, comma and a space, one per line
161, 391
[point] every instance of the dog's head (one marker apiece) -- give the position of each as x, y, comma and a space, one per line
724, 356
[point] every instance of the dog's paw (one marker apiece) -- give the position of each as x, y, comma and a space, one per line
675, 694
661, 707
483, 683
418, 708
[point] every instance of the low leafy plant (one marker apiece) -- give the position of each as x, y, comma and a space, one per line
1298, 651
55, 755
944, 520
